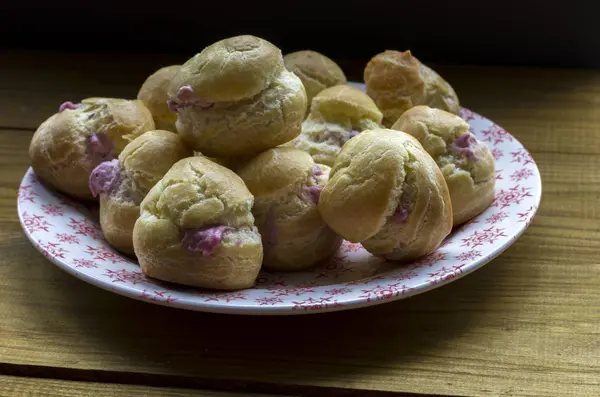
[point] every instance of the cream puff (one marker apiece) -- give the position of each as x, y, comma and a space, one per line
286, 184
336, 115
315, 70
386, 192
466, 163
398, 81
71, 143
123, 183
153, 94
236, 98
196, 228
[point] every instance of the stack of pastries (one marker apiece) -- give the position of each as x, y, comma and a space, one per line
242, 158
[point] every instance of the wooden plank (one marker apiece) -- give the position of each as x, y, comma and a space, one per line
527, 324
11, 386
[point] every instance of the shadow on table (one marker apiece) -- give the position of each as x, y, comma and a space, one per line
132, 336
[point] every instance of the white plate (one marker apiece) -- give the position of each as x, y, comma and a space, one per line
69, 235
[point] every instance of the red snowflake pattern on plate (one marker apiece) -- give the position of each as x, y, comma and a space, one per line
351, 247
445, 274
383, 292
53, 209
316, 303
522, 156
338, 291
467, 114
526, 215
126, 276
499, 176
521, 175
269, 300
268, 279
487, 236
32, 179
35, 223
294, 291
497, 153
496, 135
225, 296
337, 267
514, 195
405, 276
428, 261
67, 238
53, 249
86, 227
26, 194
158, 296
85, 263
103, 253
364, 281
468, 255
497, 218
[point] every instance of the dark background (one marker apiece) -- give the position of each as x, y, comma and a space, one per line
522, 33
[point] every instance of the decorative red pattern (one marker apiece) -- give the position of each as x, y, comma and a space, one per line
86, 263
338, 291
496, 135
428, 261
158, 296
85, 227
26, 194
351, 247
497, 153
67, 238
34, 223
522, 155
446, 273
53, 209
499, 175
364, 281
514, 195
488, 236
406, 275
225, 296
526, 216
467, 114
269, 300
468, 255
497, 217
337, 267
316, 304
103, 253
382, 292
126, 276
32, 178
50, 249
294, 291
521, 175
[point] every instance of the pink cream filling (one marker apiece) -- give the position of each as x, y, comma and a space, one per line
464, 144
185, 100
101, 145
68, 105
104, 178
204, 240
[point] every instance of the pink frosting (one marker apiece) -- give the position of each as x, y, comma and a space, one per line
101, 145
68, 105
104, 178
350, 135
314, 193
401, 215
317, 171
464, 144
204, 240
185, 100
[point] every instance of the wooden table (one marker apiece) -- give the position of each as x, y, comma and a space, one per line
527, 324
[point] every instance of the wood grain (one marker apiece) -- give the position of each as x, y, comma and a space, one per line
527, 324
11, 386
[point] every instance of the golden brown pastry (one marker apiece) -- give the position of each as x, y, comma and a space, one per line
153, 94
385, 191
316, 71
286, 184
337, 114
236, 98
71, 143
123, 183
467, 163
196, 228
398, 81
